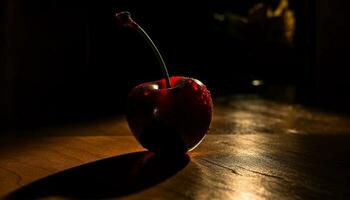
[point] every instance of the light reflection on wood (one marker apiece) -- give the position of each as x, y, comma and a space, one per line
256, 149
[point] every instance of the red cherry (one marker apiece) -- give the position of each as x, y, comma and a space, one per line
170, 120
171, 115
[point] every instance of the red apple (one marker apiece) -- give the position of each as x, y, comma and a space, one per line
170, 120
171, 115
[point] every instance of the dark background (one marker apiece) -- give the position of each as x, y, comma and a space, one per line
68, 60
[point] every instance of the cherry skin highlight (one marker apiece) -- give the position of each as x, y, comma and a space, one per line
170, 120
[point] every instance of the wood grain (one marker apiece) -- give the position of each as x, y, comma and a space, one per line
256, 149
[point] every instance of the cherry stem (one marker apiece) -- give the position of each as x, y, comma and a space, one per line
124, 18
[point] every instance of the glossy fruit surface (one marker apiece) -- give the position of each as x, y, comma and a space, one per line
170, 120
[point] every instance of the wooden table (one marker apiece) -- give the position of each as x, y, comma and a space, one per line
256, 149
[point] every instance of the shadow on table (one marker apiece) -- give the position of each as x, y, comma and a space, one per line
107, 178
